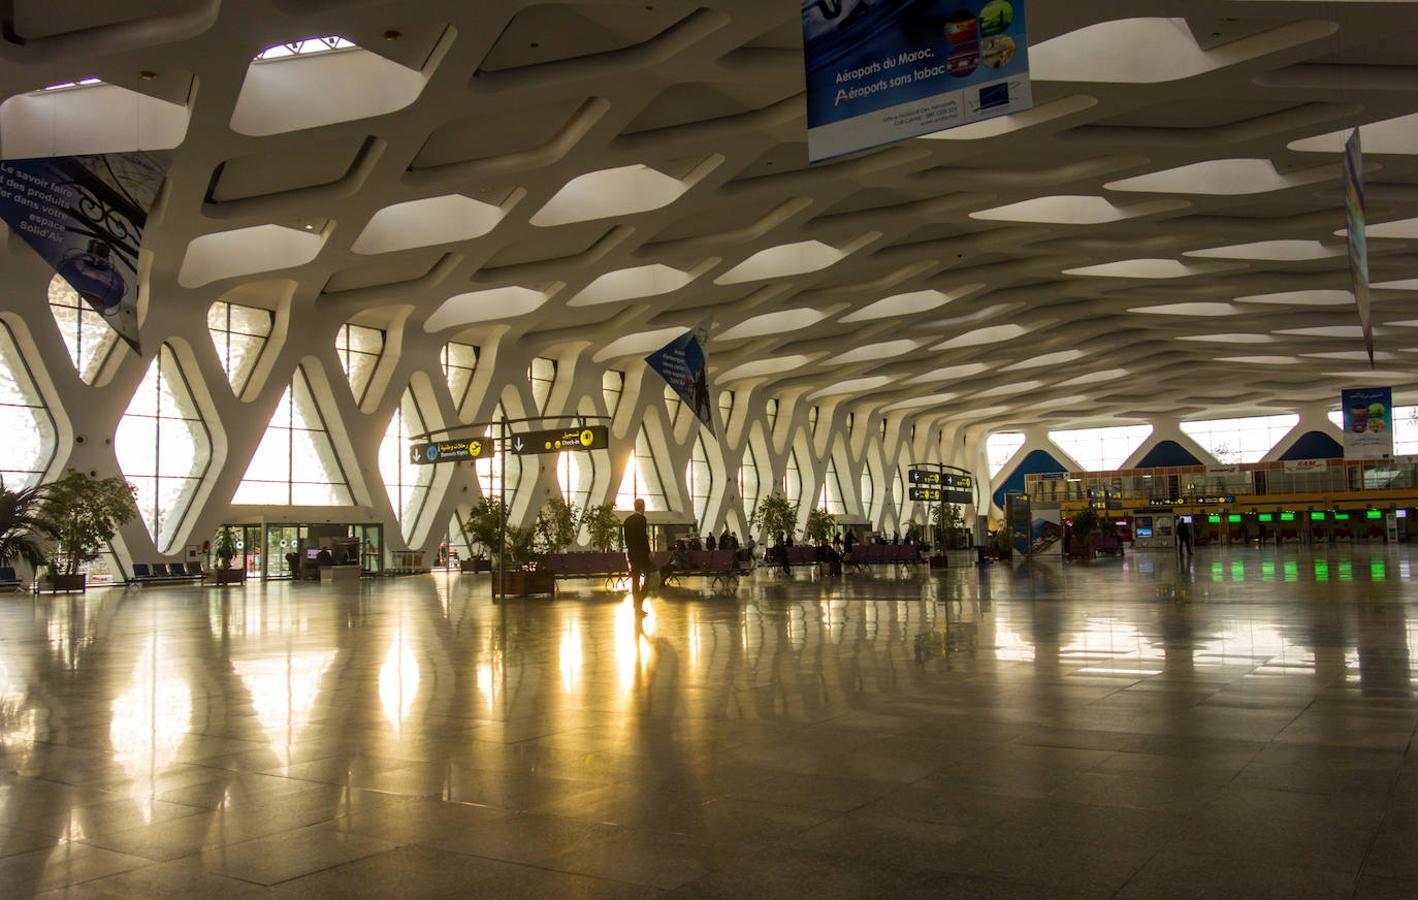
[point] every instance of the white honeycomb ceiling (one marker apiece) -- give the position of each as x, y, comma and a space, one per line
603, 174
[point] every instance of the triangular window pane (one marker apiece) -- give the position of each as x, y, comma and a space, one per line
831, 497
1101, 449
542, 375
359, 349
1000, 448
85, 333
726, 408
612, 386
406, 483
460, 363
296, 463
30, 440
239, 334
1245, 440
163, 447
642, 479
672, 404
793, 481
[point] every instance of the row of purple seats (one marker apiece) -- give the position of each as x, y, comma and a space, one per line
589, 564
166, 572
884, 554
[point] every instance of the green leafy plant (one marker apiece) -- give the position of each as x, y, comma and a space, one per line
821, 525
556, 526
913, 533
86, 512
483, 524
1085, 522
24, 529
521, 547
225, 547
1107, 527
774, 515
602, 525
949, 523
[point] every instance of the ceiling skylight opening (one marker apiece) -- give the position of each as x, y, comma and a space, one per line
784, 261
1048, 359
630, 284
305, 48
1229, 338
487, 306
921, 402
1216, 177
1006, 390
1188, 309
854, 386
433, 220
1302, 298
911, 304
638, 344
1397, 137
622, 191
950, 373
762, 367
1138, 268
1272, 251
1074, 210
1262, 360
871, 352
780, 322
245, 251
1336, 331
1002, 125
993, 334
1096, 378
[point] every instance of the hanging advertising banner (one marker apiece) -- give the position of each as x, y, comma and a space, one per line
85, 215
880, 71
1368, 423
1020, 522
1293, 466
684, 364
1358, 241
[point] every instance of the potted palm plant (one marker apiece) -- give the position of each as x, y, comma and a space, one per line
24, 530
774, 516
225, 548
85, 512
520, 577
481, 528
821, 526
602, 526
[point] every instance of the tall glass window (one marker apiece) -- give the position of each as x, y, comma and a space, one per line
460, 362
30, 437
406, 483
1245, 440
749, 485
296, 463
239, 333
359, 348
642, 479
672, 405
898, 493
726, 408
813, 414
576, 474
1000, 448
85, 333
163, 447
612, 386
542, 375
1101, 449
793, 479
868, 487
772, 414
489, 468
830, 498
699, 479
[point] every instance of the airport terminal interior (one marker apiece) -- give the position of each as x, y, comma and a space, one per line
1026, 501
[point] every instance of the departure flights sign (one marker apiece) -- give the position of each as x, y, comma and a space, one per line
531, 443
461, 450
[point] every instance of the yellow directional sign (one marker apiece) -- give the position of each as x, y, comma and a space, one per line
593, 437
449, 451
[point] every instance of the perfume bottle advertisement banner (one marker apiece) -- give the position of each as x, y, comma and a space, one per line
881, 71
1368, 423
684, 365
85, 215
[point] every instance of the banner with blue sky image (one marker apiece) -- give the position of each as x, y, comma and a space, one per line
1368, 423
880, 71
85, 216
684, 364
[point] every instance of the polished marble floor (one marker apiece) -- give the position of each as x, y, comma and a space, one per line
1242, 727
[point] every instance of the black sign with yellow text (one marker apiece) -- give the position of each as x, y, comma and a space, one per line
592, 437
461, 450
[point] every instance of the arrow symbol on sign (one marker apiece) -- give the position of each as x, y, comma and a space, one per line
517, 444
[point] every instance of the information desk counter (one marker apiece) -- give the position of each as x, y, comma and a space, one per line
340, 574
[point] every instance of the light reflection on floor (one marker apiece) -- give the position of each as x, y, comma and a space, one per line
884, 732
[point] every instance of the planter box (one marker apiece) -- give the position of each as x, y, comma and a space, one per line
58, 583
227, 576
477, 564
527, 584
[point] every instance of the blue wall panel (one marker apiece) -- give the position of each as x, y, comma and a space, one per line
1036, 463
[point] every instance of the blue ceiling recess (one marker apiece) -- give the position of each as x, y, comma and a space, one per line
1036, 463
1167, 453
1314, 445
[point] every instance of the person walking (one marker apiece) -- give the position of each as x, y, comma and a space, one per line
637, 547
1184, 538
